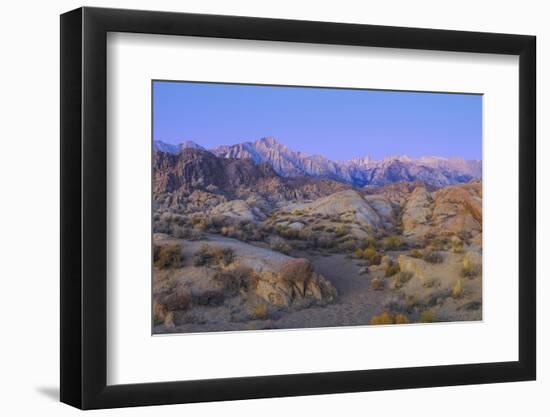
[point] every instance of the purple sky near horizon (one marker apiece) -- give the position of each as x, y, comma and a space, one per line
337, 123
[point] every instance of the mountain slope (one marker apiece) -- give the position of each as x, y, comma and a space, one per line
195, 169
359, 172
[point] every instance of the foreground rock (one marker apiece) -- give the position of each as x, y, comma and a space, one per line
246, 276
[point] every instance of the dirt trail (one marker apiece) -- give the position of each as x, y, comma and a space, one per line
357, 302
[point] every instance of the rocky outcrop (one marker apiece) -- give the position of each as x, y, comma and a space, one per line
417, 212
239, 209
458, 209
452, 210
349, 206
282, 292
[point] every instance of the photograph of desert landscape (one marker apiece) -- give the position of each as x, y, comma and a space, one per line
278, 207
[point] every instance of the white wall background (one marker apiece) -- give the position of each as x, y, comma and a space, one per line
29, 225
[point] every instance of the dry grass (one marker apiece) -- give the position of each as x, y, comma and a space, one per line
415, 253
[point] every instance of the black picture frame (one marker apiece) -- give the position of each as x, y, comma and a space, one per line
84, 207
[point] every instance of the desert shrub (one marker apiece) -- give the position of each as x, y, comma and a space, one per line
203, 256
161, 226
183, 232
464, 235
347, 245
207, 255
384, 318
358, 253
438, 243
297, 212
289, 233
415, 253
209, 298
324, 242
235, 280
469, 270
377, 284
280, 245
169, 319
372, 256
168, 256
389, 318
427, 316
457, 246
174, 299
402, 278
223, 256
457, 289
215, 223
341, 231
392, 243
392, 269
396, 302
259, 312
318, 228
369, 242
433, 257
159, 313
296, 270
430, 282
401, 319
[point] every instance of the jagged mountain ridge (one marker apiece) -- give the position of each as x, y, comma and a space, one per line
359, 172
192, 169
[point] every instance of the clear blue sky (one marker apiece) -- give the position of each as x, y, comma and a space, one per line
337, 123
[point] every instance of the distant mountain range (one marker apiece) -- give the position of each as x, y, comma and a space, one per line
359, 172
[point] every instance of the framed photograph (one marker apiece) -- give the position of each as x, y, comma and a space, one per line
258, 208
